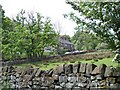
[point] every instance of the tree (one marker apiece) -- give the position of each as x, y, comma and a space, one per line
101, 17
27, 36
6, 28
84, 40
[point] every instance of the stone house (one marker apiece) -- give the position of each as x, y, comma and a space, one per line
66, 44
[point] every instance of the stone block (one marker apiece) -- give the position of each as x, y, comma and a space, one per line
68, 69
72, 79
1, 69
27, 78
76, 68
34, 71
82, 68
59, 70
18, 70
38, 73
99, 69
50, 72
116, 72
50, 80
27, 70
2, 63
82, 79
30, 70
90, 68
44, 73
108, 71
5, 69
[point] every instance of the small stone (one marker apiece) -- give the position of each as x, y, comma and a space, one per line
111, 80
62, 78
13, 86
55, 77
82, 84
57, 87
99, 77
102, 83
82, 79
69, 85
30, 83
118, 79
93, 77
72, 79
62, 84
17, 75
94, 84
115, 86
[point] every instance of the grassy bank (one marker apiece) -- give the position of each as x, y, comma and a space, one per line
46, 65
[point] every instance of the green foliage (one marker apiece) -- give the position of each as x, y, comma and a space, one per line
102, 46
27, 36
84, 40
101, 17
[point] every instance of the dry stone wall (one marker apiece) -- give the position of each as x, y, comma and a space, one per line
73, 76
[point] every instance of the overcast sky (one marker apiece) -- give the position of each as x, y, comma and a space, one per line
51, 8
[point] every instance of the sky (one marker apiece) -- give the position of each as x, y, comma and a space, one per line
48, 8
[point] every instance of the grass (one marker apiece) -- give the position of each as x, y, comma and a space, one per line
46, 65
43, 65
107, 61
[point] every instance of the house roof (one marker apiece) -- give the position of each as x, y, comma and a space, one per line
64, 41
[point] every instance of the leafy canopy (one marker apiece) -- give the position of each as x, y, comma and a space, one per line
26, 35
101, 17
